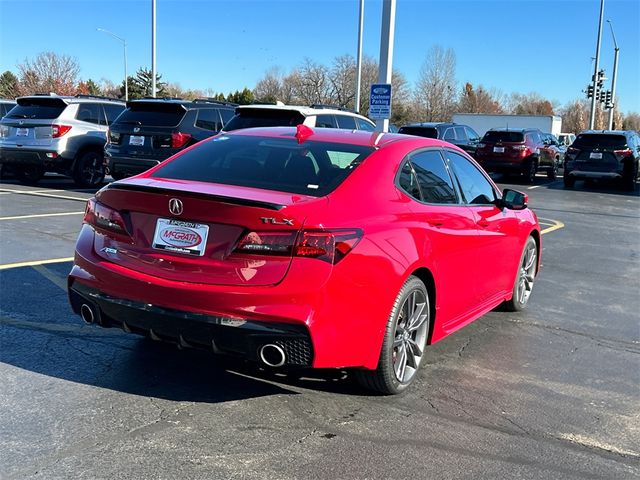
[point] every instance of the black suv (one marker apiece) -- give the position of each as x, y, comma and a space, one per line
603, 154
151, 130
461, 136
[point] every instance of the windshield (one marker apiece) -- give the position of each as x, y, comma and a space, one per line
591, 140
311, 168
152, 114
429, 132
503, 137
264, 117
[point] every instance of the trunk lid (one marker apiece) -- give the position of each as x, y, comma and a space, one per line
224, 214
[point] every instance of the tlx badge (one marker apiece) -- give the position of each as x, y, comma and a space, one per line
274, 221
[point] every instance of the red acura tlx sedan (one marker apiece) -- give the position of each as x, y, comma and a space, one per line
299, 247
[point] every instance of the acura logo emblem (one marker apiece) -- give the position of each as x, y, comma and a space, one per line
136, 129
175, 206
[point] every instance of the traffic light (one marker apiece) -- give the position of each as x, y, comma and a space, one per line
589, 91
608, 99
601, 78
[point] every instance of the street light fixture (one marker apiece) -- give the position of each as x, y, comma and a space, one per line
613, 79
124, 44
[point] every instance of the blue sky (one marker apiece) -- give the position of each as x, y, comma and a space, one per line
514, 46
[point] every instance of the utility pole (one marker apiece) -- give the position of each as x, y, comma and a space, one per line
613, 79
124, 44
386, 50
359, 61
153, 48
592, 116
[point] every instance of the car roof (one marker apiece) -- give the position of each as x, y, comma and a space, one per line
75, 98
606, 132
304, 110
196, 103
518, 130
430, 124
337, 135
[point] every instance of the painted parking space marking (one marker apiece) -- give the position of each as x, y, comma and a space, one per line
32, 263
40, 215
40, 193
550, 224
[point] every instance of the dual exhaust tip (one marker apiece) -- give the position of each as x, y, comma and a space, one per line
270, 354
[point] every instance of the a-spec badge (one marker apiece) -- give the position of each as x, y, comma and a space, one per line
274, 221
175, 206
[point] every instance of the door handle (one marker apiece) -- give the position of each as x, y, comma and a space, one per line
483, 223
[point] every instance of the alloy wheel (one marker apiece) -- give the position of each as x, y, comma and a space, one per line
410, 336
527, 273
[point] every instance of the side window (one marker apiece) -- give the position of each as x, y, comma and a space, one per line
112, 112
408, 181
474, 185
325, 121
363, 125
91, 112
472, 134
209, 119
226, 114
434, 179
449, 135
460, 134
346, 121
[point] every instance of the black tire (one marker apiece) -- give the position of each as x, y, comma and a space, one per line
117, 175
629, 179
88, 171
552, 173
29, 174
569, 182
523, 284
529, 171
398, 339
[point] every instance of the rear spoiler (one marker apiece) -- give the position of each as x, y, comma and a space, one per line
43, 100
206, 196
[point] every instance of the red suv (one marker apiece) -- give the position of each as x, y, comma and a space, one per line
514, 151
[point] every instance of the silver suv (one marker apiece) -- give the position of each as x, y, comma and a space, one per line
50, 133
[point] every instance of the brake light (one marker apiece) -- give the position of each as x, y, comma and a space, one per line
105, 218
58, 131
330, 246
572, 150
620, 154
179, 139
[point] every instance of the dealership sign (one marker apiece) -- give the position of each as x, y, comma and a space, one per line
380, 101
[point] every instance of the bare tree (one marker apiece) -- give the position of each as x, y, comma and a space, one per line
49, 72
342, 78
269, 88
574, 116
530, 104
311, 83
478, 100
631, 121
435, 92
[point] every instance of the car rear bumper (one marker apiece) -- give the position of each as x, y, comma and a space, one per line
591, 174
502, 165
222, 335
42, 157
130, 165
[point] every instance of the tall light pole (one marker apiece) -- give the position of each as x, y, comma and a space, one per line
124, 45
592, 116
613, 79
359, 61
386, 51
153, 48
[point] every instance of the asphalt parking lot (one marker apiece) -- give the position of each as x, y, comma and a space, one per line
552, 392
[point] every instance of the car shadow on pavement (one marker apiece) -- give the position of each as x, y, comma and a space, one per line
40, 334
610, 187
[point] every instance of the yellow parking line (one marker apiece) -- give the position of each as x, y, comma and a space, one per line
556, 225
35, 262
40, 215
52, 277
39, 193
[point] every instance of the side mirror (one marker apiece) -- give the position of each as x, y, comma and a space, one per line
513, 200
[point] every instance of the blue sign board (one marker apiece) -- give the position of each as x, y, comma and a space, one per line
380, 101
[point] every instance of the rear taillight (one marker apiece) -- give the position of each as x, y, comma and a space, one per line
621, 154
572, 150
113, 137
481, 145
179, 139
520, 148
58, 131
330, 246
104, 218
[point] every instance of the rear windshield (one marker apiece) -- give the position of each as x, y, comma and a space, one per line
263, 117
152, 114
311, 168
429, 132
503, 137
46, 108
594, 140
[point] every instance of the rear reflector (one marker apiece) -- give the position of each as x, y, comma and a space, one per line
330, 246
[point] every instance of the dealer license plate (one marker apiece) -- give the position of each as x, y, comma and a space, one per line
136, 140
22, 132
595, 155
180, 237
498, 149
